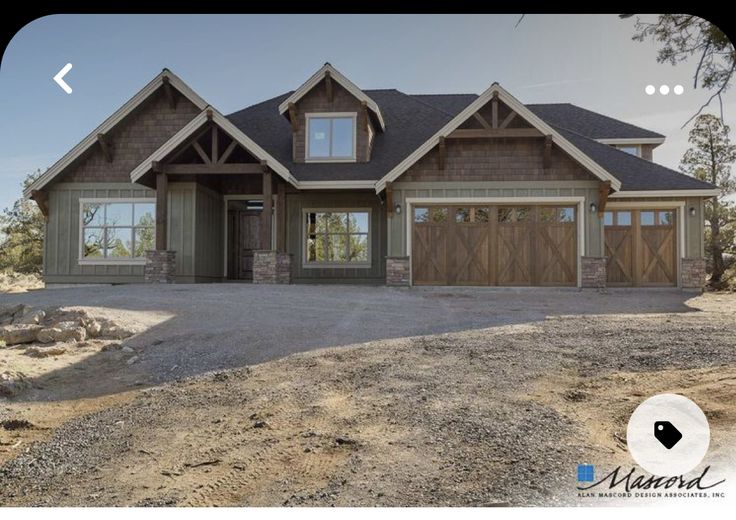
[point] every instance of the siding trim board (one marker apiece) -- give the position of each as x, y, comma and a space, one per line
578, 201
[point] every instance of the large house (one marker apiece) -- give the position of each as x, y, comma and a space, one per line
331, 183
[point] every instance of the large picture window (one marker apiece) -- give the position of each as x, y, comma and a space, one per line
337, 238
331, 137
115, 230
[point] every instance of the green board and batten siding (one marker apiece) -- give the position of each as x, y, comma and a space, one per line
296, 204
188, 204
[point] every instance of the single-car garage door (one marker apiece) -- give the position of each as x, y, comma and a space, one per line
640, 247
494, 245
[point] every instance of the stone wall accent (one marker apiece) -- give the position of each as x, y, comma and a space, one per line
159, 266
271, 267
593, 271
692, 273
397, 271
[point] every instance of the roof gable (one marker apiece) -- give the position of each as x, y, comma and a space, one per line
166, 76
328, 70
524, 113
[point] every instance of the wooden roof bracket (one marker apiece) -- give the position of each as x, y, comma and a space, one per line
264, 165
547, 159
604, 189
441, 154
169, 92
293, 118
494, 110
42, 199
106, 146
507, 119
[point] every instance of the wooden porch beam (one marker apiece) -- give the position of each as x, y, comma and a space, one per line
106, 146
494, 110
441, 154
169, 92
215, 144
212, 169
472, 133
162, 189
507, 119
482, 121
42, 199
603, 190
293, 118
266, 214
547, 159
328, 85
201, 152
227, 152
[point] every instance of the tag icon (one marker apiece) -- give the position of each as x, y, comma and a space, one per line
666, 433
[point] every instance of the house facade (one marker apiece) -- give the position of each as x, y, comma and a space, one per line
331, 183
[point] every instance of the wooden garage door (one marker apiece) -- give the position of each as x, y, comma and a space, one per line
494, 245
641, 247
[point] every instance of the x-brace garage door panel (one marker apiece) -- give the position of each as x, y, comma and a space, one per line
494, 245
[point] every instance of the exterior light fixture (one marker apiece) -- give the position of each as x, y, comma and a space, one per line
692, 211
593, 207
397, 209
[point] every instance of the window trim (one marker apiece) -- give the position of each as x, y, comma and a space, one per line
81, 260
342, 265
327, 115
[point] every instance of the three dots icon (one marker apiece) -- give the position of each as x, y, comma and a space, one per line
664, 90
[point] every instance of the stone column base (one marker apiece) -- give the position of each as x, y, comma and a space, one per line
593, 270
397, 271
271, 267
692, 273
160, 266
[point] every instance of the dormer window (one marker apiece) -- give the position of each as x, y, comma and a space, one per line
632, 149
331, 137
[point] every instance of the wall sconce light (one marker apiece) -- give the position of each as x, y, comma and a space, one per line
593, 207
397, 209
692, 211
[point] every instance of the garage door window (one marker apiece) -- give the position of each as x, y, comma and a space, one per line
557, 214
430, 215
471, 215
510, 215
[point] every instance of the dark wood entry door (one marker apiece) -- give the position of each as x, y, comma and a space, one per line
641, 247
244, 228
494, 245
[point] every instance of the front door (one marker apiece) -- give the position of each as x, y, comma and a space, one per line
244, 228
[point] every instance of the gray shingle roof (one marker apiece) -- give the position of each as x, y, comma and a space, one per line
412, 119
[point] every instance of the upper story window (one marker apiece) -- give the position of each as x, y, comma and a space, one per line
331, 137
633, 149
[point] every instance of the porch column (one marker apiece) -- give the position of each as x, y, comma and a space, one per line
162, 189
160, 263
281, 217
266, 217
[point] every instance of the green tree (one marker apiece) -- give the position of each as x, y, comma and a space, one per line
21, 234
684, 36
710, 158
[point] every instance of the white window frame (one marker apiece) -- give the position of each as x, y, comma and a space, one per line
622, 146
330, 115
81, 260
326, 265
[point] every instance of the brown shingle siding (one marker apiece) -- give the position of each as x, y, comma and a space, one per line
134, 139
495, 160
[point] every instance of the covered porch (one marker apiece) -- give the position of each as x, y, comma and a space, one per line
220, 207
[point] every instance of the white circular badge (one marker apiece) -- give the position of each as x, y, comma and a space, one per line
668, 435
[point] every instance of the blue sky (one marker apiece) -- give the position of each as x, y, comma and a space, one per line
233, 61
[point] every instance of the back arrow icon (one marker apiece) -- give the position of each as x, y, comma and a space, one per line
58, 78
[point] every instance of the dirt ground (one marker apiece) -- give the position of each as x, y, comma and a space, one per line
495, 415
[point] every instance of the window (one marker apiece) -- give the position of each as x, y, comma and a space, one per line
608, 218
623, 218
434, 215
331, 137
471, 215
665, 218
337, 237
510, 215
647, 218
631, 149
116, 230
557, 214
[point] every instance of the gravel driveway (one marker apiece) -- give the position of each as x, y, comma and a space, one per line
220, 326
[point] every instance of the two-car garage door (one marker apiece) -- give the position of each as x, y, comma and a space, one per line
494, 245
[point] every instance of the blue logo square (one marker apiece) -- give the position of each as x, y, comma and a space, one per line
586, 473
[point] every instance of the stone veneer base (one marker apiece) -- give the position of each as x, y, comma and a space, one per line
271, 267
397, 271
593, 272
160, 266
